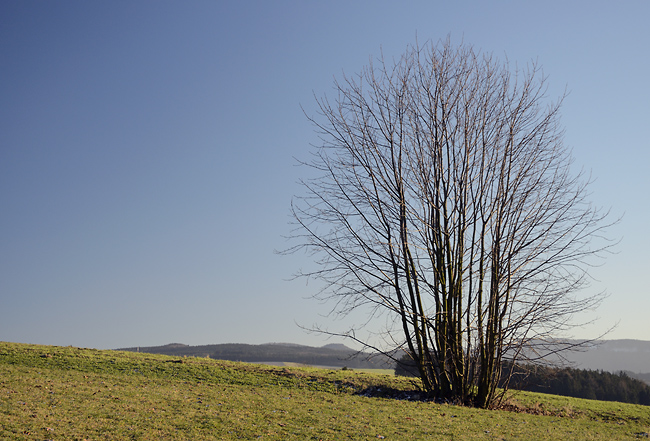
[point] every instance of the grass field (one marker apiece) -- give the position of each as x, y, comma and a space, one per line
66, 393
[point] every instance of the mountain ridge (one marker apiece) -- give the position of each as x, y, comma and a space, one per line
607, 355
334, 355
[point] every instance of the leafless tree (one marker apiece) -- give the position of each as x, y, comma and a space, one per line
445, 197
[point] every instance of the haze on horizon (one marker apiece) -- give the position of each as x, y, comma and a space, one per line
147, 154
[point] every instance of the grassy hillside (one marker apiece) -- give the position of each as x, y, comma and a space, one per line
75, 394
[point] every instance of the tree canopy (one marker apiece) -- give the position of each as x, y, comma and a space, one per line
445, 197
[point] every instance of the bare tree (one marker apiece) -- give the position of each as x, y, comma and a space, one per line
445, 197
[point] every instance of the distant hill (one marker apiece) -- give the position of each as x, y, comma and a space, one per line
337, 346
334, 355
614, 356
631, 356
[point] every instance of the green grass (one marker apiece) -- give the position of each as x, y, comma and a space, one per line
67, 393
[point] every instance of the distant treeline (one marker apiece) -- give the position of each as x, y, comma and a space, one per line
578, 383
330, 355
581, 383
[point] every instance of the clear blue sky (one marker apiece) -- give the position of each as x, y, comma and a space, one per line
146, 153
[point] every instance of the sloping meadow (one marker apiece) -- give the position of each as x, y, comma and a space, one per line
68, 393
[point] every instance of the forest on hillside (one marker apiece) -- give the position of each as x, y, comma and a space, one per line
582, 383
577, 383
